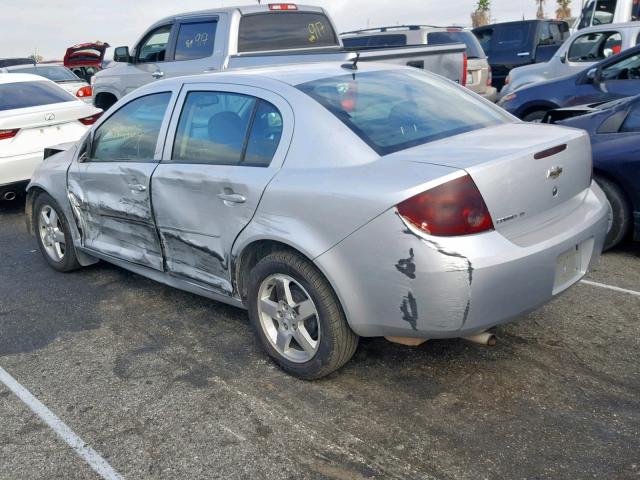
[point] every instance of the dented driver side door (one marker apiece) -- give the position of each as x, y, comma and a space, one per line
109, 184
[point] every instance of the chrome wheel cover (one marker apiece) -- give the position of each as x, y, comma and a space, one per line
51, 233
289, 318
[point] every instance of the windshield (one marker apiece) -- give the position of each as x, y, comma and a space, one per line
474, 50
31, 94
420, 108
285, 31
54, 73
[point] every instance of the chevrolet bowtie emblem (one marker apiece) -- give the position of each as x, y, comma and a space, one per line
554, 172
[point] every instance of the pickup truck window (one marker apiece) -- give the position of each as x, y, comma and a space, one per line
195, 40
375, 41
410, 114
131, 133
154, 47
285, 31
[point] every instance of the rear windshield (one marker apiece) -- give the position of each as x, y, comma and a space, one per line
396, 40
285, 31
505, 37
31, 94
56, 74
474, 50
420, 108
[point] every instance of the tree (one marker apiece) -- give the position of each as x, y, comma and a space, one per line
564, 9
36, 58
480, 16
540, 12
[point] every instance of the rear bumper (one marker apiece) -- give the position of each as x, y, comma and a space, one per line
18, 168
393, 280
9, 191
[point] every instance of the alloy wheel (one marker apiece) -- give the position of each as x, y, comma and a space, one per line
51, 233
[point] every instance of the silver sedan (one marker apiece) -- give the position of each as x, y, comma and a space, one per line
331, 201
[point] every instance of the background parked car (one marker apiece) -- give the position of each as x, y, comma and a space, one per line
602, 12
9, 62
86, 59
250, 36
34, 113
615, 77
614, 128
513, 44
581, 50
60, 74
478, 78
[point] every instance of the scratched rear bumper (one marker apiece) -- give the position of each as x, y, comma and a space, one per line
394, 280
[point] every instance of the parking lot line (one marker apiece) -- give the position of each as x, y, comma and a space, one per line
95, 461
611, 287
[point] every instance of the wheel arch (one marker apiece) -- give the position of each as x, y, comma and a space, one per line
533, 106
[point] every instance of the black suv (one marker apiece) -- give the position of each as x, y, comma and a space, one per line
513, 44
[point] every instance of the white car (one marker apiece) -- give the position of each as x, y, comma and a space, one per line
58, 73
35, 113
581, 50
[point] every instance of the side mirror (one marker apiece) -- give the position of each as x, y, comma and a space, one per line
593, 75
121, 54
563, 58
85, 149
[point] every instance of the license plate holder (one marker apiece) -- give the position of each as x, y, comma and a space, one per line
568, 268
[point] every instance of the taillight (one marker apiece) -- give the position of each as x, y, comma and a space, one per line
6, 134
464, 69
453, 208
84, 92
90, 120
490, 78
507, 80
283, 6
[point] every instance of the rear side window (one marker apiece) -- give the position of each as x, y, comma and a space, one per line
593, 47
420, 108
512, 37
375, 41
632, 123
219, 128
131, 133
474, 50
31, 94
195, 40
484, 37
54, 73
285, 31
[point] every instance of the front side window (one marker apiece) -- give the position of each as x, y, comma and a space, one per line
626, 69
285, 31
195, 40
154, 47
420, 108
593, 47
219, 128
131, 133
632, 123
31, 94
545, 37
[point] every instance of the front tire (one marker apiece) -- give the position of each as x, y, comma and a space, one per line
297, 316
53, 234
621, 221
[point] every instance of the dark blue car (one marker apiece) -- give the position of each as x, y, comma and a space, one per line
614, 128
615, 77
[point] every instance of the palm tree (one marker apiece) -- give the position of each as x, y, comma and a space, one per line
564, 9
480, 16
540, 12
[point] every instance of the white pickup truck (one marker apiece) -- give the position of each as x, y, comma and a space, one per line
251, 36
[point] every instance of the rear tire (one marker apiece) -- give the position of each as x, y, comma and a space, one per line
53, 234
535, 117
298, 317
621, 212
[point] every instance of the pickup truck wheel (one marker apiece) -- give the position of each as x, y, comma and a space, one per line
297, 316
53, 234
621, 221
535, 117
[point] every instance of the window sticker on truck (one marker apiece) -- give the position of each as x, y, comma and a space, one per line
316, 31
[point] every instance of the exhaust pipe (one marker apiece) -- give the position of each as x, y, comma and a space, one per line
485, 338
9, 196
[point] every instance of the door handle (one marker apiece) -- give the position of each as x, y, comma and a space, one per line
523, 54
137, 187
232, 197
157, 74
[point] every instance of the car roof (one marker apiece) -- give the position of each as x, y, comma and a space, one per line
609, 26
20, 77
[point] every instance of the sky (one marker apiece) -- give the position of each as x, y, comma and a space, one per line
48, 27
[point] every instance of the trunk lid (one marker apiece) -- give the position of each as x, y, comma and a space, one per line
89, 54
527, 174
